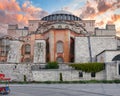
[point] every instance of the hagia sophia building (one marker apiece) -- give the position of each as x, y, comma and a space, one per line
62, 37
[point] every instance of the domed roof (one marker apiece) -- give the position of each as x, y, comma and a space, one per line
61, 12
61, 15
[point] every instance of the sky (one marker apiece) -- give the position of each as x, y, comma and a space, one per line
20, 11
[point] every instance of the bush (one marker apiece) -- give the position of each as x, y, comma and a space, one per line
25, 78
89, 67
52, 65
61, 78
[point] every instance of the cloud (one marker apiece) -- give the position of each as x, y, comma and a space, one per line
103, 6
103, 11
12, 12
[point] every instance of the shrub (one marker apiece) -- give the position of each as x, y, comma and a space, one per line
25, 78
61, 78
52, 65
89, 67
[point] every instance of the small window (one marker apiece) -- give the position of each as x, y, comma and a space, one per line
93, 74
80, 74
59, 26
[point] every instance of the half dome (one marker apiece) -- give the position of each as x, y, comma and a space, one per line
61, 15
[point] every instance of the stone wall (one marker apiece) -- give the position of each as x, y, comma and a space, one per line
16, 71
98, 44
14, 54
40, 51
68, 75
107, 55
112, 71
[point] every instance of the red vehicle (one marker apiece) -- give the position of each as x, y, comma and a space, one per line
4, 89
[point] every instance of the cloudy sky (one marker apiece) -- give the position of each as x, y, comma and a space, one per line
20, 11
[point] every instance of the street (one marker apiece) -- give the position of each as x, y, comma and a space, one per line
65, 90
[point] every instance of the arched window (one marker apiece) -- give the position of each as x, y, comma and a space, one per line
27, 49
116, 58
59, 47
59, 26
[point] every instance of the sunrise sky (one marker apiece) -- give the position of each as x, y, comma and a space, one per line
20, 11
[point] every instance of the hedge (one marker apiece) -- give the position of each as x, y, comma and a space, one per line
89, 67
52, 65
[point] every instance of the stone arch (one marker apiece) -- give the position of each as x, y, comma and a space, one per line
59, 26
67, 27
116, 58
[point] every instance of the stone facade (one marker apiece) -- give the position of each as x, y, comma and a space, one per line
17, 72
109, 31
107, 55
62, 27
14, 55
39, 51
98, 44
61, 37
67, 75
113, 70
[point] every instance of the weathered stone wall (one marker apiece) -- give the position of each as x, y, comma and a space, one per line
68, 75
107, 55
40, 51
112, 71
17, 71
98, 44
104, 32
14, 54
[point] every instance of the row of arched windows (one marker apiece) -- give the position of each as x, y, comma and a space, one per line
61, 17
59, 47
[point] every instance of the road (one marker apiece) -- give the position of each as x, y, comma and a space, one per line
65, 90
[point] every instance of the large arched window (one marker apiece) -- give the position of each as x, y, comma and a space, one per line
27, 49
59, 47
116, 58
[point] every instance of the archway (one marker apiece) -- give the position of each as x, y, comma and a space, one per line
116, 58
47, 51
72, 45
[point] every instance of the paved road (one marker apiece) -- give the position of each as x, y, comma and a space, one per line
65, 90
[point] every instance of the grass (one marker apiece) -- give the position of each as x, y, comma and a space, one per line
65, 82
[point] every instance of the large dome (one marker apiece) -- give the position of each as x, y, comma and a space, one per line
61, 12
61, 15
